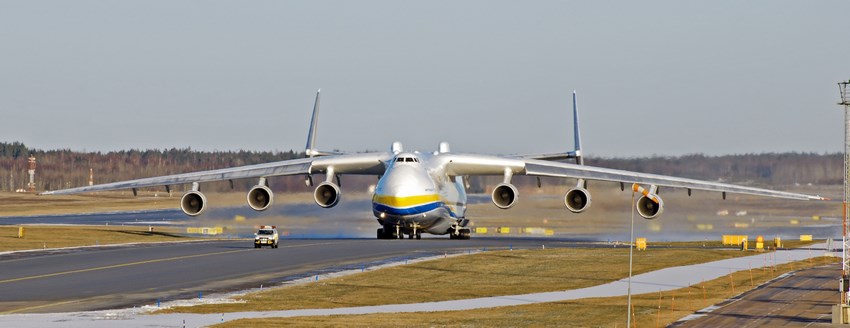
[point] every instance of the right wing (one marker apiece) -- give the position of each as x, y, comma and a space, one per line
365, 163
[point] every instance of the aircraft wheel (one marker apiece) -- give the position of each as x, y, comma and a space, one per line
418, 236
381, 233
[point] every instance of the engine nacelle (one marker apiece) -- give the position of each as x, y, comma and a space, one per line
260, 198
577, 200
648, 209
327, 194
505, 196
193, 203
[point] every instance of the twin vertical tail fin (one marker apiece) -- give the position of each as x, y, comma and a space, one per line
574, 154
577, 135
310, 150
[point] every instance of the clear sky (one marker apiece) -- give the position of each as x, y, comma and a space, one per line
653, 77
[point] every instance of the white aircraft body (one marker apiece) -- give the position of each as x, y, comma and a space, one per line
426, 192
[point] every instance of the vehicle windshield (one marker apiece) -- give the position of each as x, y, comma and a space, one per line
265, 232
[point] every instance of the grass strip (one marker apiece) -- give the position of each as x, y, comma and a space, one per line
651, 310
484, 274
41, 237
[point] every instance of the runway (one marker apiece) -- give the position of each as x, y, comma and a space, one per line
804, 298
127, 276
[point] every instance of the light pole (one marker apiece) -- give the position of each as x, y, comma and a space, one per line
631, 250
845, 259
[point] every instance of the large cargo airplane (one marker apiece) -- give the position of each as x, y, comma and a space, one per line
426, 191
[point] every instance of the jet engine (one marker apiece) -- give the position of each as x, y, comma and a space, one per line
260, 198
577, 200
193, 203
649, 209
327, 194
505, 196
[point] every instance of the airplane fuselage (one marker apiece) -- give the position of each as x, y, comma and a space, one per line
416, 195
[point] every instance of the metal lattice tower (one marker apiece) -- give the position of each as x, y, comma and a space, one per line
845, 258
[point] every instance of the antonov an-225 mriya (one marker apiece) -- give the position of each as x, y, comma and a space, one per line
425, 192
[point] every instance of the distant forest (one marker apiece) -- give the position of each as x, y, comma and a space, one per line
65, 168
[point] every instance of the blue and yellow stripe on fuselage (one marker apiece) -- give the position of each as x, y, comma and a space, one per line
407, 205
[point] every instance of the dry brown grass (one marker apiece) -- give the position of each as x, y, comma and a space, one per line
651, 310
477, 275
21, 204
38, 237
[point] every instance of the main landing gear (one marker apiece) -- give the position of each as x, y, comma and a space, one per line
394, 232
389, 232
462, 234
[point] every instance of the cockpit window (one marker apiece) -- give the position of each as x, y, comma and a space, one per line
407, 160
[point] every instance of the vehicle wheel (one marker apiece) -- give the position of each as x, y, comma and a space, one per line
381, 233
418, 236
256, 246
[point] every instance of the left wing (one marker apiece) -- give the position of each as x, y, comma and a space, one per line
567, 170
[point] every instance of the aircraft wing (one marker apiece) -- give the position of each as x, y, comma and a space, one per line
493, 165
366, 163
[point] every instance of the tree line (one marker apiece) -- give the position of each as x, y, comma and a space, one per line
64, 168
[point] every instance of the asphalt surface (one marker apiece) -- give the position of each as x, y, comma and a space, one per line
114, 277
803, 299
